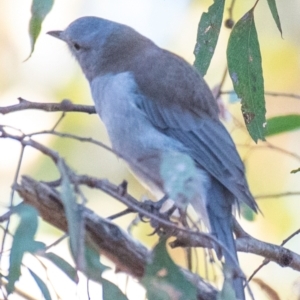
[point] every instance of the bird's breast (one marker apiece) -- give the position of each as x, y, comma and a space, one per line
130, 130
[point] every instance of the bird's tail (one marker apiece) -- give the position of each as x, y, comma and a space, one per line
219, 209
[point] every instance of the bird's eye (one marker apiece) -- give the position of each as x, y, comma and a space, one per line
76, 46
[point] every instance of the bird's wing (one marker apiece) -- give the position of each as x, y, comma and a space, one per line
199, 130
209, 145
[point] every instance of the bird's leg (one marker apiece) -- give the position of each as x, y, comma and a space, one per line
153, 207
148, 205
157, 206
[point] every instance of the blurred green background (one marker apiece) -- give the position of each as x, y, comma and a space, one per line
51, 74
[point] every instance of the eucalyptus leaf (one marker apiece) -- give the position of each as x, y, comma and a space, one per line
273, 8
41, 284
247, 212
63, 265
295, 171
164, 280
245, 69
74, 216
282, 124
227, 292
23, 241
207, 36
39, 10
94, 270
93, 267
111, 291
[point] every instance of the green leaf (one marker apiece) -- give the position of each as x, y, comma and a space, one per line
39, 10
227, 292
247, 212
164, 280
282, 124
63, 265
111, 291
244, 65
41, 284
36, 246
207, 36
74, 217
273, 8
93, 267
22, 242
295, 171
94, 270
178, 172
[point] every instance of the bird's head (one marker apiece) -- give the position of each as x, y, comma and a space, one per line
98, 44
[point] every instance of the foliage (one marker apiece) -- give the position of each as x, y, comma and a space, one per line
282, 124
208, 33
39, 10
162, 279
244, 66
244, 61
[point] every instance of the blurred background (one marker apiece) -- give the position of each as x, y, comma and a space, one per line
51, 75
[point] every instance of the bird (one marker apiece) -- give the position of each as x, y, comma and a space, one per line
153, 102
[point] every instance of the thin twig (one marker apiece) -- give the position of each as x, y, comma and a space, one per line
75, 137
290, 237
221, 84
64, 236
58, 121
271, 146
64, 106
268, 93
279, 195
266, 260
268, 145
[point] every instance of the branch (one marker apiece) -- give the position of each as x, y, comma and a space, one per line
273, 94
186, 238
246, 243
283, 256
63, 106
112, 190
126, 253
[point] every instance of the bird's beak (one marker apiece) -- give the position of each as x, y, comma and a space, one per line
57, 34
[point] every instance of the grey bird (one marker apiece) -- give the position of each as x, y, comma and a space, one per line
153, 102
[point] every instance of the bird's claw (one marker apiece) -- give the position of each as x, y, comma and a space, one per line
155, 208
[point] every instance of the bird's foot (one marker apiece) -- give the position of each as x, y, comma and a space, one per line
155, 208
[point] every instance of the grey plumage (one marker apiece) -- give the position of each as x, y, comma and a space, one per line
151, 102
